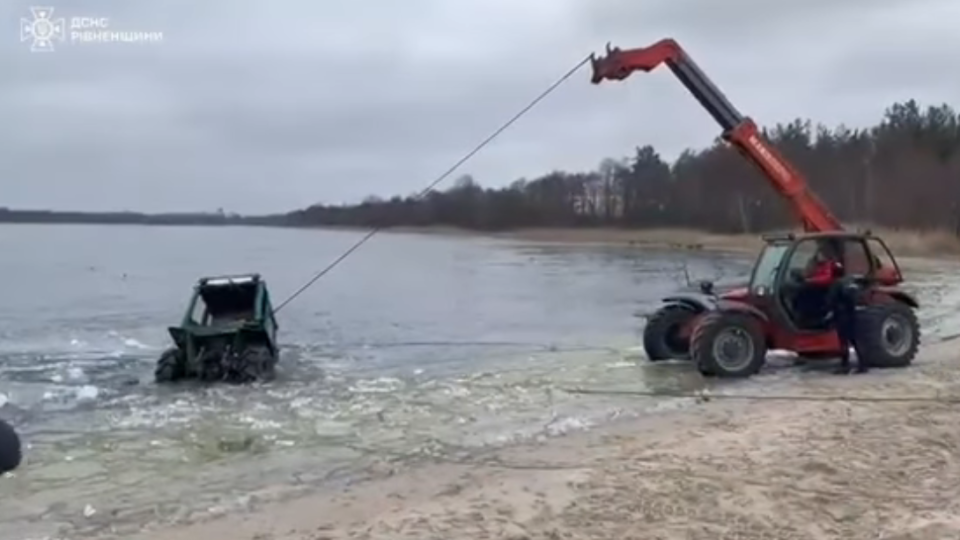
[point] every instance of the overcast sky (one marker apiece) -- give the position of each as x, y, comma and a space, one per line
270, 105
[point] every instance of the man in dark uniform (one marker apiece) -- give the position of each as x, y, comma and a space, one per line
841, 302
10, 451
843, 298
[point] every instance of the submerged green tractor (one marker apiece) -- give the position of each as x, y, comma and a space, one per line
228, 334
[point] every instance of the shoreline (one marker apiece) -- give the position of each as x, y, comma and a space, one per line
906, 243
934, 244
721, 469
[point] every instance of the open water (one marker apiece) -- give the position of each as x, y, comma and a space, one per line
417, 347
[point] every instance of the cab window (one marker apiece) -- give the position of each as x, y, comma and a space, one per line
881, 255
804, 258
856, 260
768, 264
200, 312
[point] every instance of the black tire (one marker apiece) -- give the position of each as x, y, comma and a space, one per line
170, 366
742, 332
887, 335
210, 365
254, 363
11, 450
660, 339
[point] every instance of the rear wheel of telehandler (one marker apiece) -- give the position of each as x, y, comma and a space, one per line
728, 345
170, 366
661, 335
888, 335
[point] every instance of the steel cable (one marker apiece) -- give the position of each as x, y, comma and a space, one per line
438, 180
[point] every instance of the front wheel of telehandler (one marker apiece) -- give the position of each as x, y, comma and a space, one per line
662, 338
887, 335
728, 345
169, 366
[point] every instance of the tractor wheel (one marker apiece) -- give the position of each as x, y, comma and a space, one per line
10, 448
728, 345
170, 366
661, 335
254, 363
210, 365
888, 335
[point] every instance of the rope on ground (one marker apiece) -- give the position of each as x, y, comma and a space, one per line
437, 181
706, 395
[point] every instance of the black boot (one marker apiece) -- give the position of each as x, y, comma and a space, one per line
844, 367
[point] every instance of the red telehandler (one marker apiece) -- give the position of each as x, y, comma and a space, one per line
729, 334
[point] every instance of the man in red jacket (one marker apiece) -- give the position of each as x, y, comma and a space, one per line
824, 271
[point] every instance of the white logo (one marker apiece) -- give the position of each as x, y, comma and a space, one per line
43, 29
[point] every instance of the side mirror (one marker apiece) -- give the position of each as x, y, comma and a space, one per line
706, 287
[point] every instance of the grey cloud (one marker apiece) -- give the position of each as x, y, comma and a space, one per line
267, 106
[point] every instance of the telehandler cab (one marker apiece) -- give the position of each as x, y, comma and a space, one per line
729, 334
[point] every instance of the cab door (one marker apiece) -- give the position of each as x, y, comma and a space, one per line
884, 267
793, 296
803, 329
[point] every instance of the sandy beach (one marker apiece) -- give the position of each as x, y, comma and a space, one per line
723, 469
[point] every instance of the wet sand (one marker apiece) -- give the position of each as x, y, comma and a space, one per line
725, 469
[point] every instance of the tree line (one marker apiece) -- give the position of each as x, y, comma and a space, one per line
8, 215
902, 173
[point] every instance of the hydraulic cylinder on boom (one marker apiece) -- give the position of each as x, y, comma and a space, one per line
738, 130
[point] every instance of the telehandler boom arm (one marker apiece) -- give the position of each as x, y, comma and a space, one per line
738, 130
